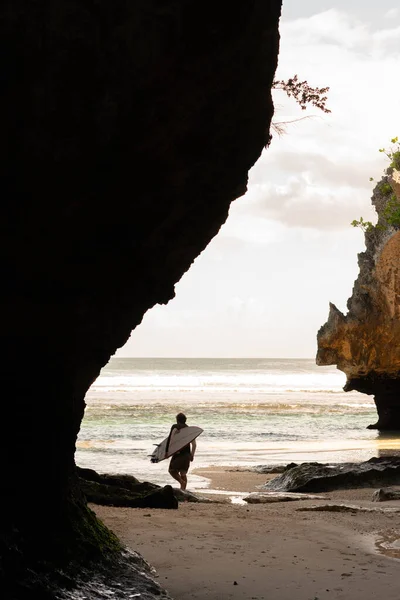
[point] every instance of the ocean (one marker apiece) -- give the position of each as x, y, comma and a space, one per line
253, 411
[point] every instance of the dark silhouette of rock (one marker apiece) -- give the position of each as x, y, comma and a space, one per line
126, 490
314, 477
143, 497
186, 496
123, 481
127, 129
385, 494
265, 469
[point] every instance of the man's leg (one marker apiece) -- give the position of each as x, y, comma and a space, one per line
183, 475
175, 474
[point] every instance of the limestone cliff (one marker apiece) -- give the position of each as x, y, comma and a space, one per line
127, 130
365, 343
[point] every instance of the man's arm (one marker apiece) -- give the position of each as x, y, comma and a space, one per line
194, 445
169, 438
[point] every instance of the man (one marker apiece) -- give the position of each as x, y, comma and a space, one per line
180, 462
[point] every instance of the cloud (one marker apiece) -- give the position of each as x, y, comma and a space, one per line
336, 31
299, 203
317, 175
392, 13
252, 227
331, 28
319, 167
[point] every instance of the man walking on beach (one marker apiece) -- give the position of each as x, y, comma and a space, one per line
180, 462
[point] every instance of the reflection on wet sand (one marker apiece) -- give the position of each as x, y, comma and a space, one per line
388, 443
388, 543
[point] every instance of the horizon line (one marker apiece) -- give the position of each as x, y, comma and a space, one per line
222, 357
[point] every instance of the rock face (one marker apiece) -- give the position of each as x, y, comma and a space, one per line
385, 494
110, 495
268, 470
126, 490
315, 477
127, 130
365, 343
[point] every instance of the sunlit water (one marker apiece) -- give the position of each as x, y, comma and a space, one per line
253, 411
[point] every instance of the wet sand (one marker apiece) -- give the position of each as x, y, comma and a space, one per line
264, 552
233, 479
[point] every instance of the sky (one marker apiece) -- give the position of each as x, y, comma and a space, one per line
263, 285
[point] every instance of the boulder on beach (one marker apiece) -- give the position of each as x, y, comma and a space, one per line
125, 481
314, 477
126, 490
110, 495
274, 469
385, 494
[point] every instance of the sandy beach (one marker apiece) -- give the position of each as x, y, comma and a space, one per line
268, 551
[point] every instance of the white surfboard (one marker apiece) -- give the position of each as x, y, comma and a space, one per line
179, 439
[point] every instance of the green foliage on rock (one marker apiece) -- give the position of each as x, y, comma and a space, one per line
393, 154
363, 225
391, 211
385, 188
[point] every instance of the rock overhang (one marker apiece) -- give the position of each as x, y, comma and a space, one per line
365, 343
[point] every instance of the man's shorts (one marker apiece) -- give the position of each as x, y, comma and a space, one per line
180, 462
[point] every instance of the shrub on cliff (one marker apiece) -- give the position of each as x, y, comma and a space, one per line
391, 211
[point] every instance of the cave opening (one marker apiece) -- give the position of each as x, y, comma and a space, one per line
99, 98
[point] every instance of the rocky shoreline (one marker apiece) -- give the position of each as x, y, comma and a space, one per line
316, 477
128, 574
288, 481
339, 543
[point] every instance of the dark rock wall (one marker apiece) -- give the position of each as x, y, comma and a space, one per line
127, 130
